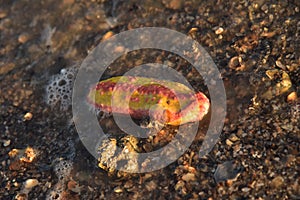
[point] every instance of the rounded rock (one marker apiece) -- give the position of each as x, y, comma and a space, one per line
30, 183
28, 116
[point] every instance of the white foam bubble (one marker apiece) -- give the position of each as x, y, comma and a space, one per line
62, 170
59, 89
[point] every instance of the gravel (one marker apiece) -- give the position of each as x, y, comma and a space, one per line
255, 45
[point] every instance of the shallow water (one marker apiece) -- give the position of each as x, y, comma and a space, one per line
245, 40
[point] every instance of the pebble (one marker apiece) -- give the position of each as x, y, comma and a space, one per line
268, 34
179, 185
277, 159
28, 116
189, 177
281, 87
30, 183
107, 35
277, 182
21, 197
193, 30
272, 73
285, 84
246, 189
118, 189
150, 186
292, 96
219, 31
6, 143
29, 155
234, 62
24, 155
226, 171
23, 38
128, 184
292, 67
233, 138
13, 153
280, 65
228, 142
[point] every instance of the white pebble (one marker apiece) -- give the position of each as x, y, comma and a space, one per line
6, 143
30, 183
219, 31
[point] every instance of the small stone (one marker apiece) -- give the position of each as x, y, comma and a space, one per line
189, 177
128, 185
150, 186
24, 155
23, 38
148, 147
292, 96
107, 35
6, 143
268, 34
272, 73
285, 84
13, 153
21, 197
246, 189
16, 184
228, 142
277, 182
30, 183
28, 116
179, 185
227, 171
193, 30
29, 156
277, 159
292, 67
118, 190
234, 62
233, 138
219, 31
280, 65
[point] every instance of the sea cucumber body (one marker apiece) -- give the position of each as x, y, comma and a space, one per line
169, 102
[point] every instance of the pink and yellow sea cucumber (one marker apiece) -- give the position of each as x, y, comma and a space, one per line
173, 102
